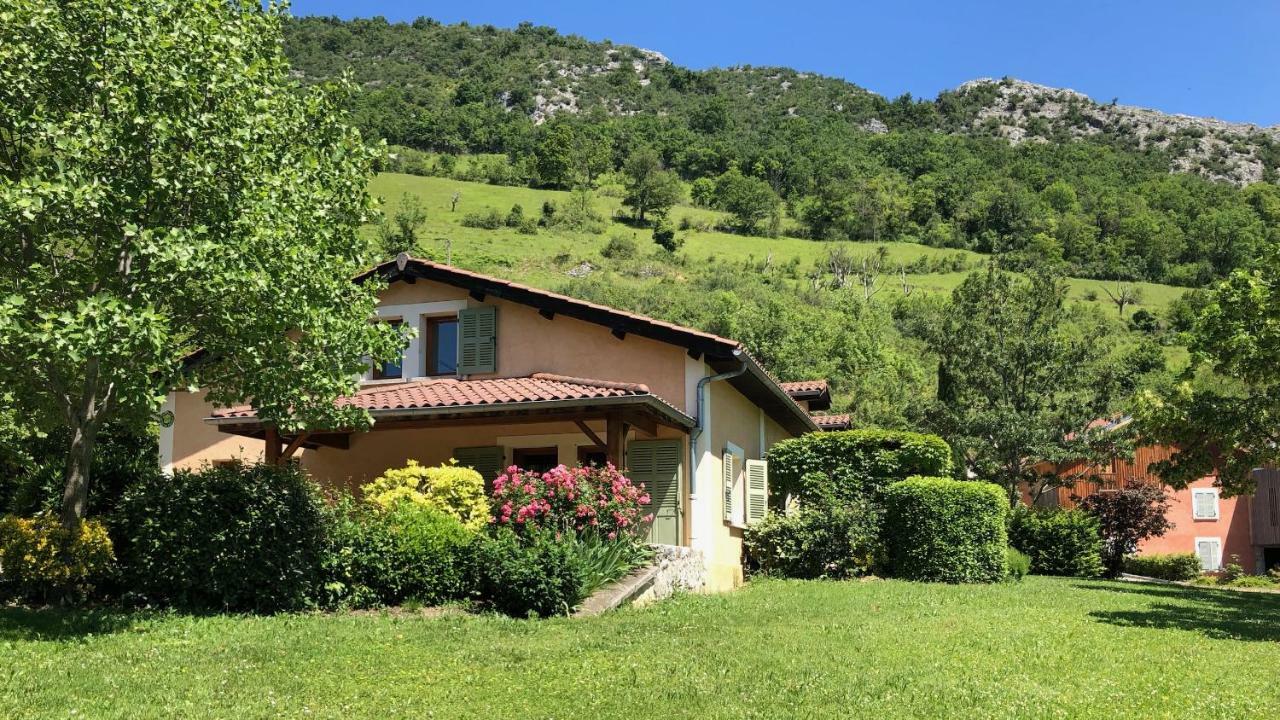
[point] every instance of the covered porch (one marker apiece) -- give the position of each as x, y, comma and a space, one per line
536, 422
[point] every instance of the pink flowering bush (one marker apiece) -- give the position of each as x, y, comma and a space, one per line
593, 499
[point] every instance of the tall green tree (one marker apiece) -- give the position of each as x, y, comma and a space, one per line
1223, 414
650, 189
165, 187
748, 199
1019, 378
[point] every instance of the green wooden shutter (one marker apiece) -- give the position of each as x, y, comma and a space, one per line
757, 490
726, 465
489, 461
477, 340
656, 464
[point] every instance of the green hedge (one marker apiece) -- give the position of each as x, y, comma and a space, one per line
942, 530
1171, 566
1059, 542
853, 463
1019, 563
229, 537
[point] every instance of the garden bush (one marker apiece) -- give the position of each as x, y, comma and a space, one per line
563, 499
820, 540
41, 561
1059, 542
941, 530
408, 551
1019, 563
1178, 567
537, 574
225, 537
451, 488
488, 219
853, 463
1126, 517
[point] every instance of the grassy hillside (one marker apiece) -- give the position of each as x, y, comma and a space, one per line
545, 259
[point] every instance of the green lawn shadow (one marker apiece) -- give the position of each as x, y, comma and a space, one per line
1214, 613
60, 624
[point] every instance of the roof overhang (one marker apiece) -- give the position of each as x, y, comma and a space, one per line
639, 410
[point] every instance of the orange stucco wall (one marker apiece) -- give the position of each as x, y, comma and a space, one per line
196, 442
1231, 527
373, 452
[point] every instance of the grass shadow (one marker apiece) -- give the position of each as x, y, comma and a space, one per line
59, 624
1214, 613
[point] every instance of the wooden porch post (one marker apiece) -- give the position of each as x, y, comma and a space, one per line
615, 441
273, 445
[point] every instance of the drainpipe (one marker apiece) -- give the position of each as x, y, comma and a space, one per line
696, 433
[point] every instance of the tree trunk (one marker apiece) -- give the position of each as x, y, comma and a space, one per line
83, 421
75, 495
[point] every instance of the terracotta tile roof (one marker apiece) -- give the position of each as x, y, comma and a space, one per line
450, 392
453, 274
831, 422
804, 386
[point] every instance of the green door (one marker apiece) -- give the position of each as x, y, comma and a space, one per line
656, 463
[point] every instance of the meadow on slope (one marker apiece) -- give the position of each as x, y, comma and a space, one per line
545, 258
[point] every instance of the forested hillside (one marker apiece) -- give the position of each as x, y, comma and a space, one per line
1033, 177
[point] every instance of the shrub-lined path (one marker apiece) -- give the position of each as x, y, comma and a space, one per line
1045, 648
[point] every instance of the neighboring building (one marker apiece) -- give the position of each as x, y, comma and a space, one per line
501, 374
1204, 522
815, 397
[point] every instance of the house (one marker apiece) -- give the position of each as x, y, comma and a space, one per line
1204, 522
503, 374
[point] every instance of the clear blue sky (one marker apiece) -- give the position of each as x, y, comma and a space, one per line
1219, 58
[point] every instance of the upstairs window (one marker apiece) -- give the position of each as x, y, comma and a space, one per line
1204, 504
392, 368
440, 341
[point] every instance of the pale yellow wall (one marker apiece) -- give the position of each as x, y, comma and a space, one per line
737, 420
196, 442
529, 343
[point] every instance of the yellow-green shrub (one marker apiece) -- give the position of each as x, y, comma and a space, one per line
41, 560
456, 490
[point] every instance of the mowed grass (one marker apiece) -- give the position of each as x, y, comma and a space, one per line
544, 259
1045, 648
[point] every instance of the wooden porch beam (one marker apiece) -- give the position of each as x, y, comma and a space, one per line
586, 430
292, 447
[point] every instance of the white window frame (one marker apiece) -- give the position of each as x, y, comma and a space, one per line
1197, 492
1217, 557
739, 509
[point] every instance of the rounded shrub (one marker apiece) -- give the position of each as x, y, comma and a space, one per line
820, 540
227, 537
941, 530
408, 551
534, 575
450, 488
1178, 567
41, 561
1059, 542
853, 463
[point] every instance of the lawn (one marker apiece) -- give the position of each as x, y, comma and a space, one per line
1043, 648
532, 259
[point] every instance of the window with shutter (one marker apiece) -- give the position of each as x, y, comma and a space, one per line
730, 476
656, 464
757, 490
489, 461
1210, 552
477, 340
1204, 504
